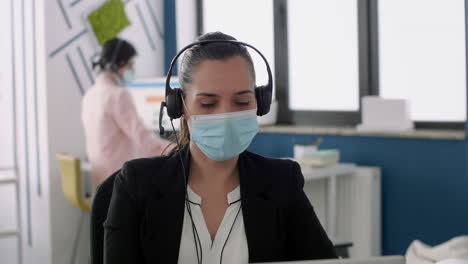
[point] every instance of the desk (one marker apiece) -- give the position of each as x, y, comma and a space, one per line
330, 174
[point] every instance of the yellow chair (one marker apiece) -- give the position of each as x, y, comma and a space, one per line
70, 171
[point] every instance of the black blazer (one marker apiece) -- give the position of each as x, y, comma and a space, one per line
145, 217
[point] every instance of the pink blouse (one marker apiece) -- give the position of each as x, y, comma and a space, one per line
113, 130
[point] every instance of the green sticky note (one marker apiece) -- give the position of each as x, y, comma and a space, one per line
108, 20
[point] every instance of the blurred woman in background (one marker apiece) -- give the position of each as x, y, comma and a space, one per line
113, 130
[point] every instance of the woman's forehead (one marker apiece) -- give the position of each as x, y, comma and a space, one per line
219, 76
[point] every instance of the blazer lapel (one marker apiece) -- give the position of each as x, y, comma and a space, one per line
261, 216
162, 228
164, 212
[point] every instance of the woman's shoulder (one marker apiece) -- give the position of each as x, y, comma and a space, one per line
281, 172
140, 174
147, 164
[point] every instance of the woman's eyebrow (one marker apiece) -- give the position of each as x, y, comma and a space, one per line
244, 92
207, 94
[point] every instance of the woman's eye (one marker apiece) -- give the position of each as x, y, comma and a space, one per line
243, 103
207, 105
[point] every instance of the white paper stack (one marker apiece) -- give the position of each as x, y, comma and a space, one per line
381, 115
303, 150
320, 158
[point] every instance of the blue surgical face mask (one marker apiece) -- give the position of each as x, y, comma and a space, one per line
224, 136
128, 76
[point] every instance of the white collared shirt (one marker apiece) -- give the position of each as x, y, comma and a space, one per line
234, 244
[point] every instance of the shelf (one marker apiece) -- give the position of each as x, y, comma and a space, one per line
5, 232
323, 173
447, 134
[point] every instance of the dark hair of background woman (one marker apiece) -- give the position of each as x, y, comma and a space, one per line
115, 53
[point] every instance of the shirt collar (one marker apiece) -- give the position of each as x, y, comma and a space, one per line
233, 196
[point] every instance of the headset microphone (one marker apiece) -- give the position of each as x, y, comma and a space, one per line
111, 65
161, 109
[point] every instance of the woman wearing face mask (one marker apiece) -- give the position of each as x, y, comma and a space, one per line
113, 130
234, 206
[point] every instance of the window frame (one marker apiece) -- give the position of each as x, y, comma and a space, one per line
426, 124
368, 66
327, 118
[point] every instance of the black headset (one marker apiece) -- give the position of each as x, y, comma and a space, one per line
174, 103
111, 65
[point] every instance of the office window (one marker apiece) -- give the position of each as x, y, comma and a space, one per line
422, 56
323, 55
248, 21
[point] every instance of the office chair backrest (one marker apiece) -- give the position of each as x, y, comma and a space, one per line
70, 172
99, 210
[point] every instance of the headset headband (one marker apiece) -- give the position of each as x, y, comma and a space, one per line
113, 67
173, 98
173, 62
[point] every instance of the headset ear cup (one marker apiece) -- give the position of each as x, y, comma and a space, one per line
263, 95
258, 96
174, 103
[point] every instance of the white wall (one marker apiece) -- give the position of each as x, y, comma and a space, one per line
23, 115
63, 92
186, 22
46, 109
6, 106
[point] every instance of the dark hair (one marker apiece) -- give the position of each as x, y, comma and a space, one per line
115, 53
199, 53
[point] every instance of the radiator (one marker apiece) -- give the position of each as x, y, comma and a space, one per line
358, 209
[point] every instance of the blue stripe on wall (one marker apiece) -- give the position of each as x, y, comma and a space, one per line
75, 74
14, 118
424, 182
155, 19
72, 4
13, 80
26, 128
64, 14
36, 107
85, 65
170, 40
68, 42
145, 27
